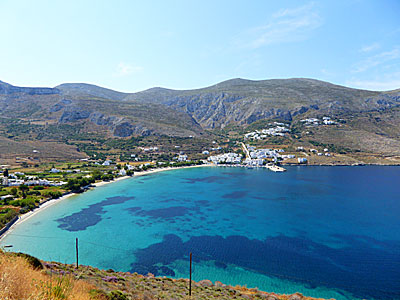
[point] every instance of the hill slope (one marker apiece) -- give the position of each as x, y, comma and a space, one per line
84, 111
58, 281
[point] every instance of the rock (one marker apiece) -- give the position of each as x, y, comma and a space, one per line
101, 119
219, 284
73, 114
296, 296
205, 282
110, 279
123, 130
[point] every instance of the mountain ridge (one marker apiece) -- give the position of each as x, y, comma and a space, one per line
90, 110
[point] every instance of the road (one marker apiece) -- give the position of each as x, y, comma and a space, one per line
245, 150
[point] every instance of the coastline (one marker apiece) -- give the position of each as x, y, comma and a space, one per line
44, 205
49, 203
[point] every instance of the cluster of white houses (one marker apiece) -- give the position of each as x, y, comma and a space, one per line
226, 158
13, 180
316, 122
257, 157
278, 130
149, 149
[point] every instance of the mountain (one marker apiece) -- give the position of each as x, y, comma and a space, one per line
78, 110
77, 89
8, 89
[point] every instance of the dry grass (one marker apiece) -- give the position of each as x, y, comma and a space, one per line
19, 281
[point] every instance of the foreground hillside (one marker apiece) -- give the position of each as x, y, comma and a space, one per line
24, 277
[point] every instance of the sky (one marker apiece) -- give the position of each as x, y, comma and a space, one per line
134, 45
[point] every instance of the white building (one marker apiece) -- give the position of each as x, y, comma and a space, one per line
182, 157
230, 158
107, 163
302, 160
329, 122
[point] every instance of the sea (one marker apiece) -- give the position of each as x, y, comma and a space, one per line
329, 232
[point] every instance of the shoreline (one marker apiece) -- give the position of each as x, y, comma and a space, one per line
44, 205
51, 202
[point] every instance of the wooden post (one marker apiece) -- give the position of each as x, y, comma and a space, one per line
190, 276
77, 253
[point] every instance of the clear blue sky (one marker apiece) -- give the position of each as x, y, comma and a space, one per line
135, 45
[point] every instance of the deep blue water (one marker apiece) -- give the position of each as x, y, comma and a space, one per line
323, 231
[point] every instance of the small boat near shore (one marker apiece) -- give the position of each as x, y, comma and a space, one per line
275, 168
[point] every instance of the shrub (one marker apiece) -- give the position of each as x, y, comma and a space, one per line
32, 261
117, 295
6, 215
52, 194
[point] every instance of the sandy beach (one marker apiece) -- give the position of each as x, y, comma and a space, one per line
51, 202
24, 217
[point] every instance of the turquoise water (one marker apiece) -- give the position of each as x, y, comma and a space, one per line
331, 232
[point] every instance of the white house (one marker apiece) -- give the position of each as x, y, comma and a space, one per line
302, 160
107, 163
182, 157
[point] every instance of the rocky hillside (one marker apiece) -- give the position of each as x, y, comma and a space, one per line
188, 112
77, 110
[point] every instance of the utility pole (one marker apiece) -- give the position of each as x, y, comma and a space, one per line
190, 276
76, 243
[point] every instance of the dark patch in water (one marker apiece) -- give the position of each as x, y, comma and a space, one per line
202, 203
367, 268
168, 200
235, 195
236, 174
165, 271
133, 209
220, 265
274, 199
166, 213
89, 216
209, 179
163, 213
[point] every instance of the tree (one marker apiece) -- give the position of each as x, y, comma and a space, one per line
14, 191
23, 188
96, 175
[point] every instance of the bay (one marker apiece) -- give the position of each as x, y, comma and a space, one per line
331, 232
